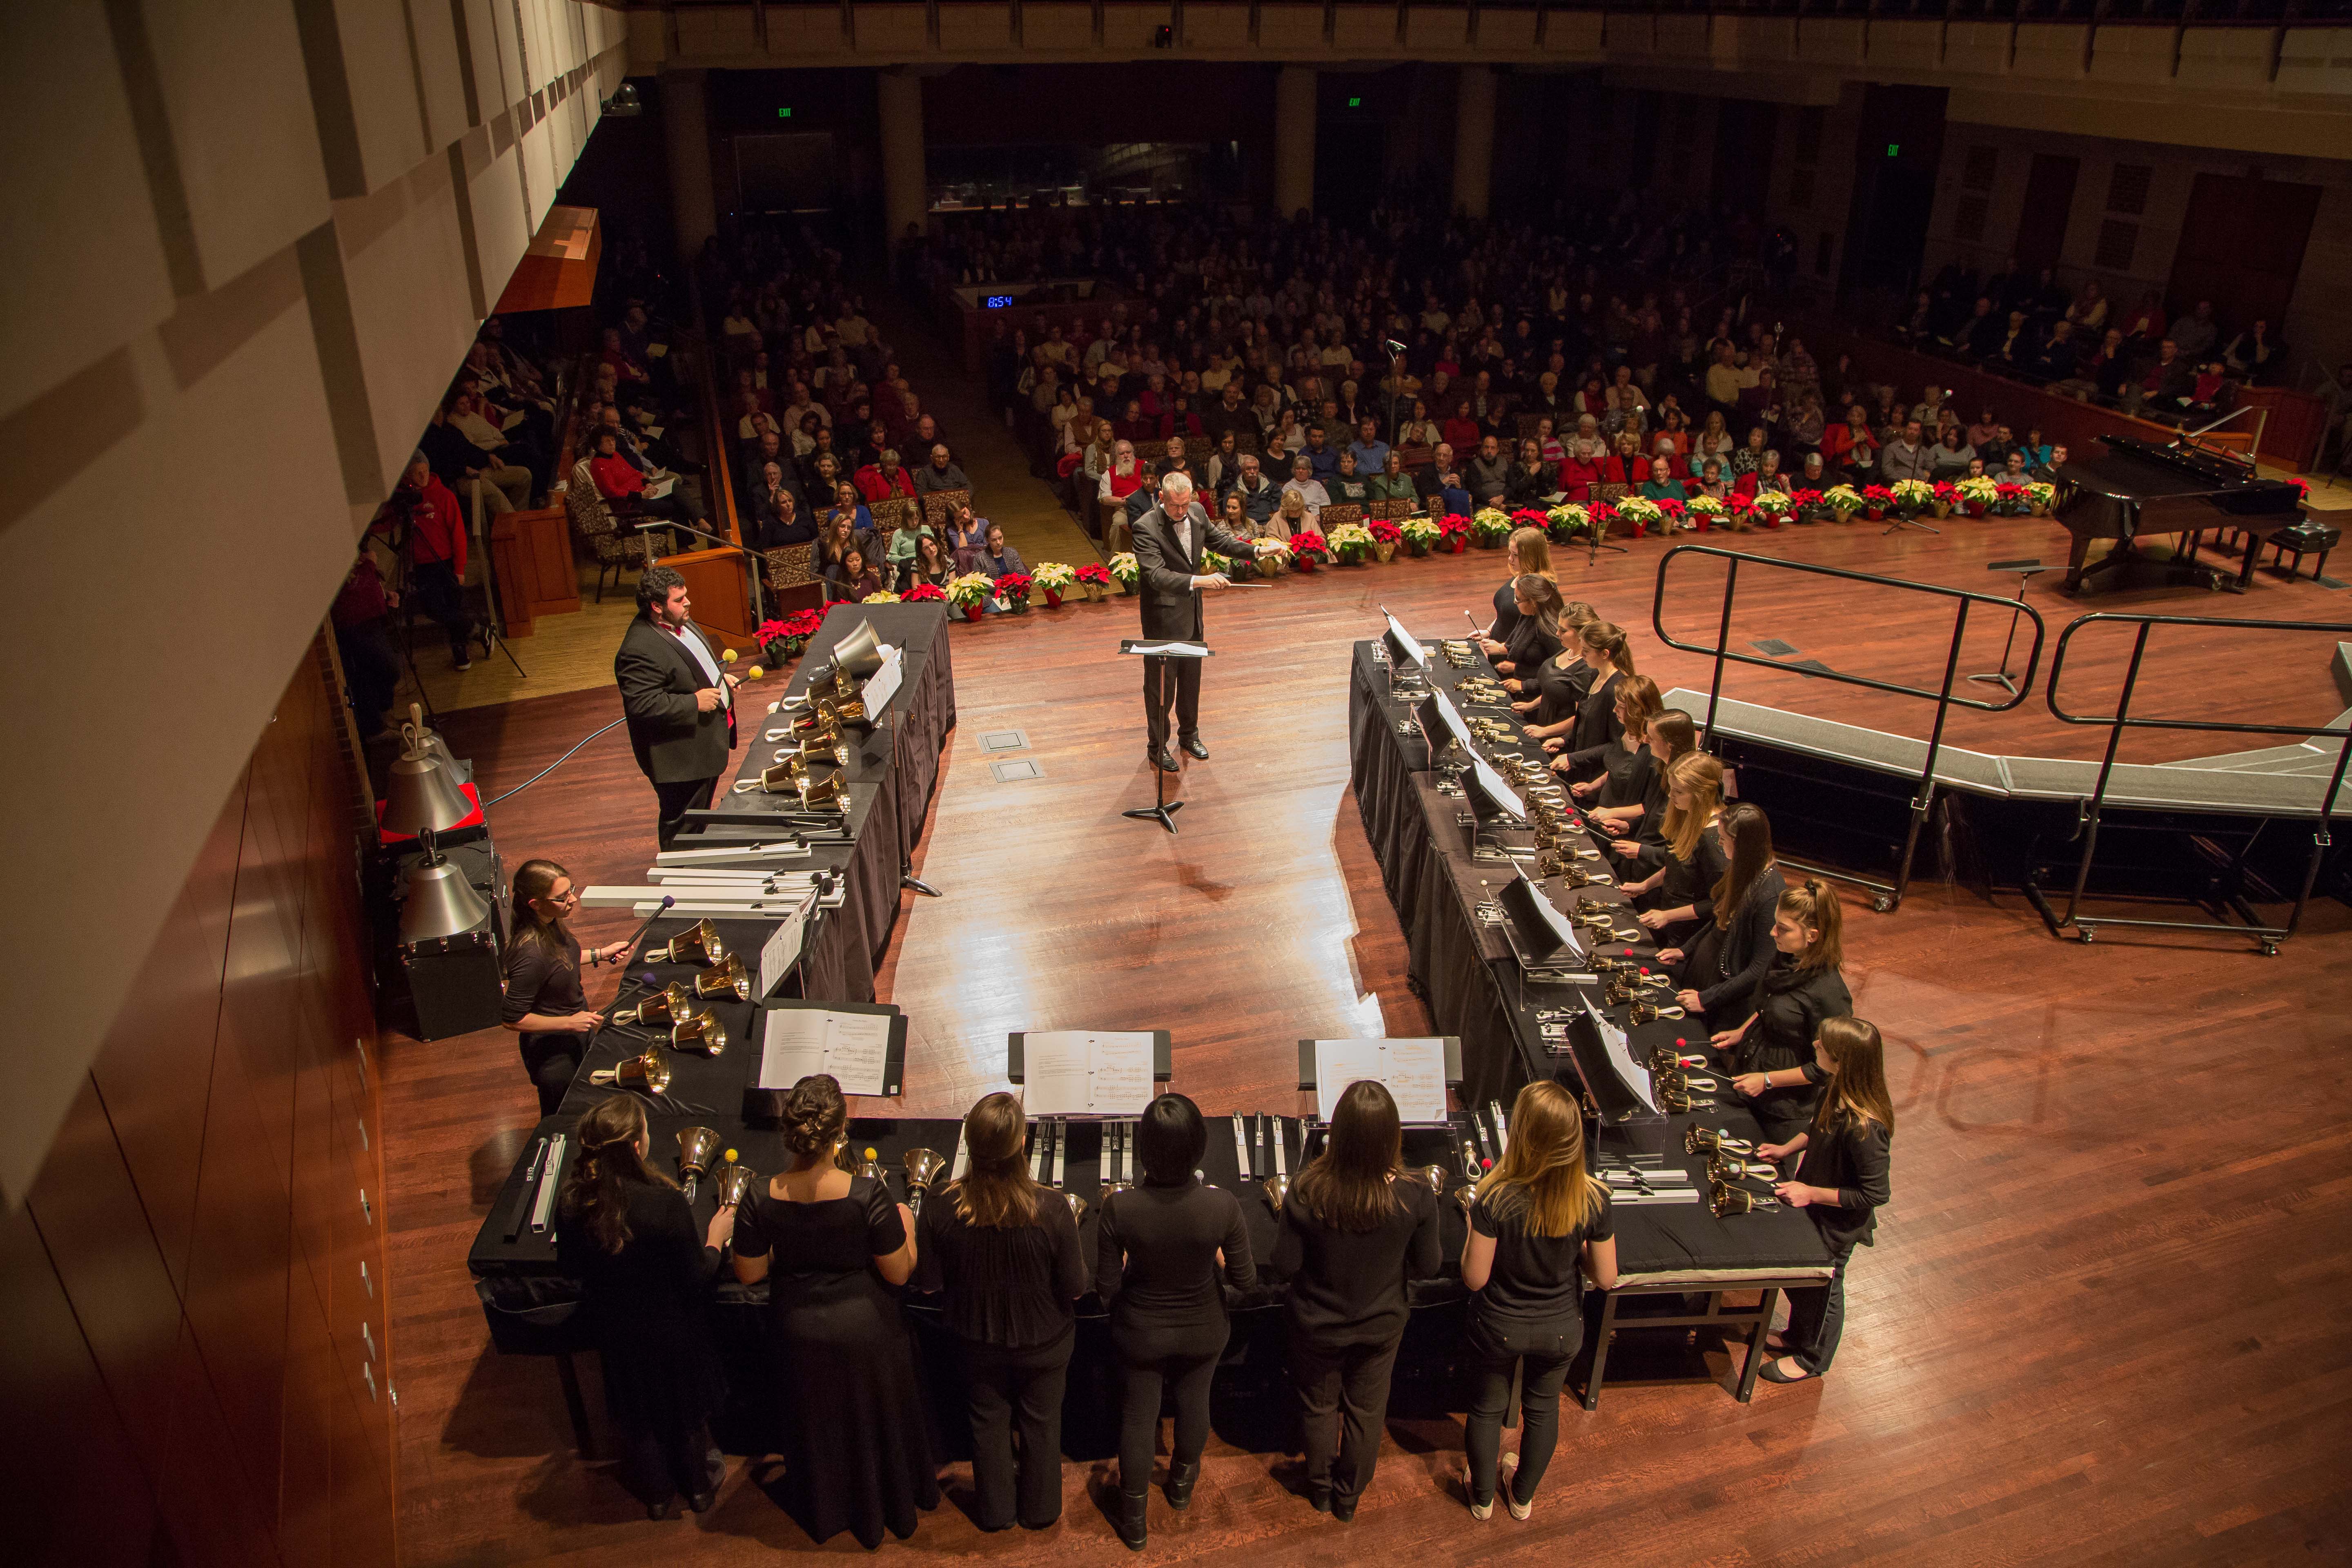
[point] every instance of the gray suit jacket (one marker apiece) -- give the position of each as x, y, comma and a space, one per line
1164, 571
658, 679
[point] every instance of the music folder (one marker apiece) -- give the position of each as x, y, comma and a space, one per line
1416, 1072
1088, 1072
861, 1044
1165, 647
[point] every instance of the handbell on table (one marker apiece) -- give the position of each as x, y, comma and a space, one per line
701, 1031
733, 1180
1665, 1058
870, 1166
1078, 1207
1726, 1200
1713, 1140
698, 943
1682, 1083
786, 778
1272, 1188
730, 980
1649, 1013
827, 793
1730, 1168
664, 1006
649, 1072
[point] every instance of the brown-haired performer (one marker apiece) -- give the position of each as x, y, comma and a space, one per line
680, 707
1801, 987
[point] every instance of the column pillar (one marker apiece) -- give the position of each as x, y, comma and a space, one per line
1473, 140
1294, 141
686, 129
905, 185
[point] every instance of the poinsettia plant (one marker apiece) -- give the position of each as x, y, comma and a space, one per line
1123, 567
1804, 500
1673, 510
1604, 518
1911, 495
968, 590
1092, 572
925, 593
1014, 588
1979, 489
1772, 507
1844, 500
1703, 510
884, 598
1945, 493
1419, 533
1309, 547
1567, 522
1878, 497
1384, 532
1642, 513
2009, 501
1490, 525
1054, 577
2044, 495
1453, 532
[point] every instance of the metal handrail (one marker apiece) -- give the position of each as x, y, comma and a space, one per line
1891, 894
2121, 720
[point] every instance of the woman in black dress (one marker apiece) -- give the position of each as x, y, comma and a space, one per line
1548, 700
1539, 1216
1158, 1252
1351, 1235
1602, 647
1666, 735
623, 1231
1528, 551
1536, 634
1004, 1252
1841, 1181
544, 1004
1679, 894
1717, 967
1625, 766
832, 1249
1801, 987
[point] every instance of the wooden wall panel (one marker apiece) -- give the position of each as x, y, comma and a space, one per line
188, 1325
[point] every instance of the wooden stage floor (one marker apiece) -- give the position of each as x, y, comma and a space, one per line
2104, 1322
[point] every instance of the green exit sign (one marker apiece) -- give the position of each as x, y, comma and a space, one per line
787, 114
1893, 149
1355, 103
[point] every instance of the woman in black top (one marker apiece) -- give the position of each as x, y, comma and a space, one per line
1841, 1180
1666, 735
1157, 1251
1528, 552
544, 1003
1602, 647
1530, 480
832, 1249
1537, 1217
1680, 894
623, 1231
1350, 1235
1535, 635
1004, 1251
1717, 969
1626, 767
1548, 700
1801, 987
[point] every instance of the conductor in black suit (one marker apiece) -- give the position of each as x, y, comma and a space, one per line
680, 705
1170, 539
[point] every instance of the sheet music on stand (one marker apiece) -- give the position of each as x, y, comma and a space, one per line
854, 1047
1078, 1072
1621, 1055
1412, 1071
782, 948
883, 684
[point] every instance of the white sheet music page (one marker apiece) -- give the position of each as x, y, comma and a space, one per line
782, 948
792, 1046
883, 684
1413, 1071
1621, 1057
1121, 1084
1076, 1072
854, 1047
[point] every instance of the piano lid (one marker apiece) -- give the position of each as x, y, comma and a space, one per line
2133, 469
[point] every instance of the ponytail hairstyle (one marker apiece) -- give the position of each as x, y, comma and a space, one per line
1542, 1184
595, 1190
1603, 637
815, 1116
1751, 856
1699, 776
1811, 904
1575, 615
1638, 702
1348, 1185
534, 881
1674, 727
996, 1192
1857, 1087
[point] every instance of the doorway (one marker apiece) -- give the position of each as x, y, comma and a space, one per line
2049, 203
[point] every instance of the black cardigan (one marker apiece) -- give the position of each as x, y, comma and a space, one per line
1852, 1159
1598, 728
1744, 950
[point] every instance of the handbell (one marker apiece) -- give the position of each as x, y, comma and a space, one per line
699, 1031
871, 1167
826, 792
696, 1147
1683, 1083
730, 980
922, 1166
733, 1180
820, 746
1272, 1188
1730, 1168
1434, 1177
1726, 1200
787, 777
1077, 1206
1646, 1012
649, 1072
668, 1006
850, 711
1665, 1058
817, 720
1713, 1140
698, 943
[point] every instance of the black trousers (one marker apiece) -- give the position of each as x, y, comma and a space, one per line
1343, 1400
1817, 1316
371, 668
1495, 1347
1007, 1391
1176, 681
433, 585
677, 799
1152, 1360
551, 1058
657, 1465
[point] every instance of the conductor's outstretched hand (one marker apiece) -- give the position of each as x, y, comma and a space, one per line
1213, 580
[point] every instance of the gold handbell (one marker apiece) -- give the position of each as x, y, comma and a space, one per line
1434, 1177
822, 746
1108, 1187
730, 980
784, 778
702, 1031
698, 943
1078, 1207
869, 1166
1684, 1084
696, 1147
1665, 1058
1726, 1200
1645, 1012
1578, 877
664, 1006
1713, 1140
1730, 1168
1674, 1099
733, 1180
826, 793
818, 719
922, 1166
649, 1072
1274, 1187
1604, 964
850, 711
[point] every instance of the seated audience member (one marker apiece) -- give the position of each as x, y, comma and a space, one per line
1661, 485
965, 534
1710, 481
941, 473
776, 513
1488, 474
846, 503
1393, 483
1813, 476
884, 477
475, 420
853, 580
995, 557
838, 534
618, 480
1948, 458
1906, 457
1125, 477
362, 616
457, 463
932, 564
1296, 516
1851, 450
1530, 482
2196, 333
1309, 489
2056, 360
2254, 356
2165, 384
1258, 494
899, 548
1371, 452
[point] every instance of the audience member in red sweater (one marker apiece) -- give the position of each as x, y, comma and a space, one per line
883, 479
423, 519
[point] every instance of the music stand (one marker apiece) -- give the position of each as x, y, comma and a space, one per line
2026, 571
1161, 810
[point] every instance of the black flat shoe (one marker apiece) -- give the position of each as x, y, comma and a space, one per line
1195, 749
1343, 1509
1128, 1520
1161, 760
1180, 1478
1318, 1495
1771, 1373
665, 1509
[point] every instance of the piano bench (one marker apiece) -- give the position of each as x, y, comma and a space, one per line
2307, 537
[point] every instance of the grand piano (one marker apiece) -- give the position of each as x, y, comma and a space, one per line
2137, 488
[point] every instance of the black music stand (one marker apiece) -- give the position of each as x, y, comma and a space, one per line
2026, 571
1162, 810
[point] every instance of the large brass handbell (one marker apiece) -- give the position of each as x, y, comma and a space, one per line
1078, 1207
922, 1166
1684, 1084
664, 1006
698, 943
733, 1180
1713, 1140
1578, 877
1649, 1013
821, 746
1606, 964
826, 794
869, 1165
1274, 1188
730, 980
696, 1147
818, 721
1665, 1058
649, 1072
1726, 1200
1730, 1168
701, 1031
849, 711
787, 777
1434, 1177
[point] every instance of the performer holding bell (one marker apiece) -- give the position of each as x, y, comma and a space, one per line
1169, 541
680, 707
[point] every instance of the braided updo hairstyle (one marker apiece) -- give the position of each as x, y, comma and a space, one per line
595, 1192
814, 1116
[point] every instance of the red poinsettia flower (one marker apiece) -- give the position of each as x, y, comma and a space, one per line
1739, 505
1802, 498
1450, 523
924, 593
1528, 517
1669, 507
1311, 544
1384, 532
1947, 491
2009, 492
1012, 586
1092, 572
1877, 495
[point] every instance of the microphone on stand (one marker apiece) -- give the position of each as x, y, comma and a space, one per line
667, 900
